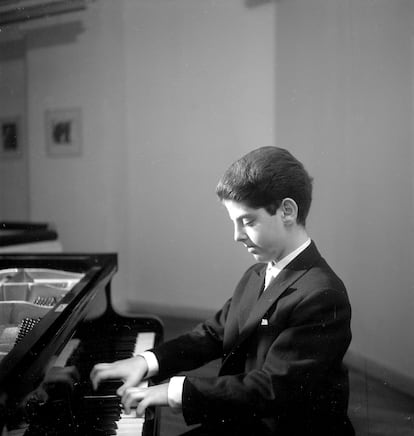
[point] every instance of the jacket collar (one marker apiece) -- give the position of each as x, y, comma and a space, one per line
255, 307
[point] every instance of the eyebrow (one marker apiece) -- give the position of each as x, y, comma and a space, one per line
248, 215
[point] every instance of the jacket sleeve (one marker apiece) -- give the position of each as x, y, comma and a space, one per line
298, 364
202, 345
192, 350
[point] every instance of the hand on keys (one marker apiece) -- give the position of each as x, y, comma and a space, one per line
132, 372
141, 398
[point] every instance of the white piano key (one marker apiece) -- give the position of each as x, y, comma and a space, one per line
129, 424
144, 342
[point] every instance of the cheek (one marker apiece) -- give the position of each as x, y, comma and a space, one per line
257, 237
266, 240
252, 234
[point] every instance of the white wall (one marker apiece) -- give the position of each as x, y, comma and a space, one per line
171, 93
344, 103
14, 177
200, 86
77, 64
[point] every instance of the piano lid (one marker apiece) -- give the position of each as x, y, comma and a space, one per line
14, 233
43, 297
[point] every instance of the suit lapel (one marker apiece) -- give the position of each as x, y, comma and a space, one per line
285, 279
250, 295
253, 310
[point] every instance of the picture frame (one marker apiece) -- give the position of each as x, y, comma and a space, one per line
10, 137
64, 132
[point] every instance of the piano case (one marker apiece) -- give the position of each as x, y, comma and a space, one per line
56, 322
28, 237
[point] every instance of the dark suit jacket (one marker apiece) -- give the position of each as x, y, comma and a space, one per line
281, 351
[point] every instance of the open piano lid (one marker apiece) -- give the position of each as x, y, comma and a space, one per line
24, 366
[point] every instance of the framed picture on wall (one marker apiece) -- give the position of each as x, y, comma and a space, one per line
10, 141
64, 132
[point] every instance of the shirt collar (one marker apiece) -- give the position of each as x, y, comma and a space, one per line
287, 259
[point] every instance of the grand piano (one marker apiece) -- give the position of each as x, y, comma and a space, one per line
28, 237
56, 322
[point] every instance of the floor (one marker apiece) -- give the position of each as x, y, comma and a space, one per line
375, 409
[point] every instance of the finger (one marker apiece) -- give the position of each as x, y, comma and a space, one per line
141, 407
129, 383
121, 390
131, 397
97, 378
97, 369
102, 375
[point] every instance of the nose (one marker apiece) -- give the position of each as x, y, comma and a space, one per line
239, 234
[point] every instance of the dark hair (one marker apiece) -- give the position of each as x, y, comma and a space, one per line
264, 177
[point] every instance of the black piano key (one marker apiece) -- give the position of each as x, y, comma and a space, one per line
97, 412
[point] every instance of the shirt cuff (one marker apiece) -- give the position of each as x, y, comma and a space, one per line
175, 392
152, 363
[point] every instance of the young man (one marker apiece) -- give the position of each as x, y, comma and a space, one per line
283, 334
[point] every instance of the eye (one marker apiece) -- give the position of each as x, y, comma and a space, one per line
248, 222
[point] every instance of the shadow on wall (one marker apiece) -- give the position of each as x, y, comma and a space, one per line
254, 3
39, 37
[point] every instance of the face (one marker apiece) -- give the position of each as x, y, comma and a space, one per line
265, 236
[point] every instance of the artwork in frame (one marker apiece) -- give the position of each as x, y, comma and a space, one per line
10, 145
64, 132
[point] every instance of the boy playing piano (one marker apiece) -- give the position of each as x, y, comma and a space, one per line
281, 336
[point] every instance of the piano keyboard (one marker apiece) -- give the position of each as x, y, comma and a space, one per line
96, 412
130, 424
104, 405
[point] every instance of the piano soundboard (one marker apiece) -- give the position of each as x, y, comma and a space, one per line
56, 322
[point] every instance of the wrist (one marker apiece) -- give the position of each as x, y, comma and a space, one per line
141, 365
151, 363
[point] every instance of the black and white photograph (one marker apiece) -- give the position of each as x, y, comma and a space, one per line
207, 217
10, 145
64, 132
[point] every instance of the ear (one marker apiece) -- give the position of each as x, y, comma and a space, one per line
289, 210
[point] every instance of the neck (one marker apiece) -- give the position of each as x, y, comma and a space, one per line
298, 237
301, 236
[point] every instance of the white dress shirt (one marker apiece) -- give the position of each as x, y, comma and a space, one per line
175, 385
273, 268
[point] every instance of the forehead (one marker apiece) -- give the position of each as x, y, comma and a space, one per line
238, 210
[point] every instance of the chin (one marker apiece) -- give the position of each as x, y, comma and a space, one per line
260, 258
